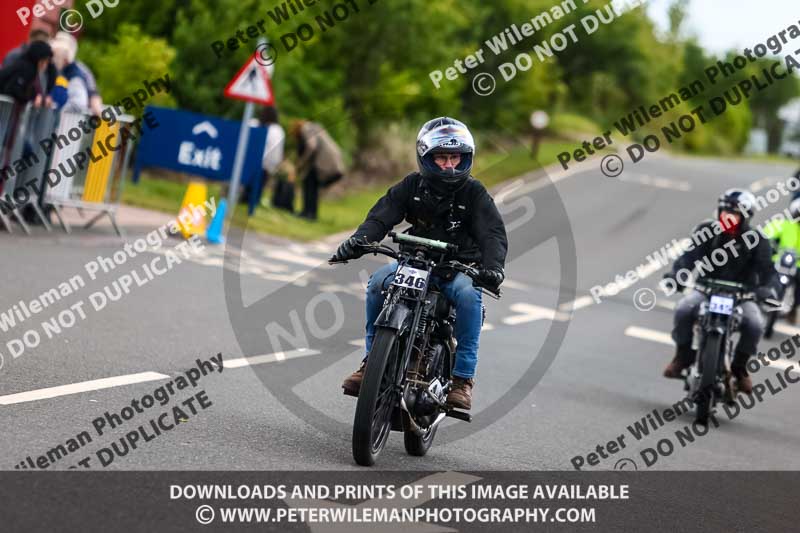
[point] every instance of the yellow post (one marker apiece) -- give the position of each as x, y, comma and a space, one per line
192, 216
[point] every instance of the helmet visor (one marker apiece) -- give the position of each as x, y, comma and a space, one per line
446, 138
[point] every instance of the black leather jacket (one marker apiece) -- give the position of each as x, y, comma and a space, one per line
467, 218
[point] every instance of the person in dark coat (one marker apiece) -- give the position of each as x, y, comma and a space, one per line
22, 79
442, 202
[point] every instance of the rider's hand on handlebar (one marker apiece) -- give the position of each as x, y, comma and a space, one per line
350, 249
491, 277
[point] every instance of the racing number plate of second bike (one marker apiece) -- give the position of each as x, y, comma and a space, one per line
411, 278
721, 305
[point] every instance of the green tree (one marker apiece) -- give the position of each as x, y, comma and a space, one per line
121, 65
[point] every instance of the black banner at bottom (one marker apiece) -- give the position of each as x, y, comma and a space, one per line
373, 501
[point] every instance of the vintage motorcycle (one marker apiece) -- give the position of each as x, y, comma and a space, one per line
408, 372
709, 379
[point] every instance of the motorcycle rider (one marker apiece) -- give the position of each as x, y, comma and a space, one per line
746, 263
785, 234
441, 201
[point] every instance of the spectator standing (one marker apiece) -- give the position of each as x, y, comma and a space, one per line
23, 78
273, 148
95, 101
71, 90
319, 162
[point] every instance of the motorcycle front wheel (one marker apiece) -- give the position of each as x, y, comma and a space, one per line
376, 399
709, 361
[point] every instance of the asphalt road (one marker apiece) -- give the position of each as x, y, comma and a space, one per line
606, 374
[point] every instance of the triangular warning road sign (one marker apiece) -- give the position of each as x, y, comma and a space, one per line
251, 84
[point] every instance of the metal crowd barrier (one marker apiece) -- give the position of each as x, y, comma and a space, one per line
9, 140
67, 175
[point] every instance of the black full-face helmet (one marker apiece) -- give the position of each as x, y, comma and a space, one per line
737, 201
445, 135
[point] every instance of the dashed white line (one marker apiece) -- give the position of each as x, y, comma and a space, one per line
786, 329
578, 303
141, 377
665, 338
655, 181
531, 313
290, 257
649, 334
83, 386
268, 358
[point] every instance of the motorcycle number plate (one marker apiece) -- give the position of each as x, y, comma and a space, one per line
721, 305
411, 278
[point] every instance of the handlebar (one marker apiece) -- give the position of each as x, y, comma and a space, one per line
401, 238
381, 249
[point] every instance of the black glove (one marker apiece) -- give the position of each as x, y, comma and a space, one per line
766, 293
491, 277
350, 249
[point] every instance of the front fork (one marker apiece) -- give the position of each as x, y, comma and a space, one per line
692, 382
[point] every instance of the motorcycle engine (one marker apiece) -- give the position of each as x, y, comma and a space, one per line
422, 400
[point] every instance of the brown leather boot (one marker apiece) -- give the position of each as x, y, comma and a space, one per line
352, 383
460, 394
684, 357
739, 370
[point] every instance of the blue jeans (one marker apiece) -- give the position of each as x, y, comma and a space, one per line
460, 292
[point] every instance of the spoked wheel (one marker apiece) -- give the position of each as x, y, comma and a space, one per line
709, 360
376, 399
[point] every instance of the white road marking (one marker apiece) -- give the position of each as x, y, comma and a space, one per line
763, 183
578, 303
665, 338
361, 343
649, 335
487, 327
655, 181
129, 379
290, 257
786, 329
783, 364
268, 358
511, 284
531, 313
666, 304
83, 386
